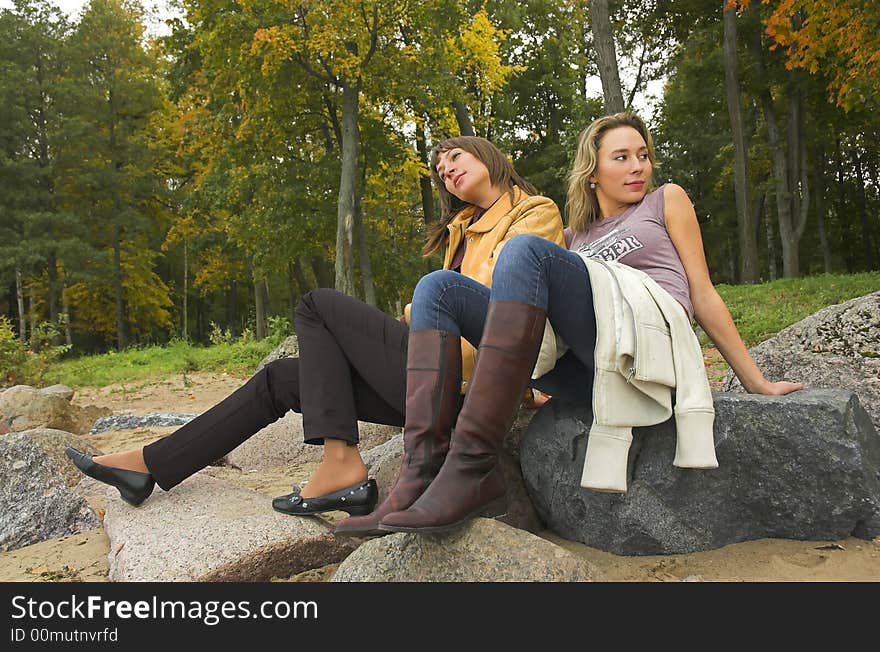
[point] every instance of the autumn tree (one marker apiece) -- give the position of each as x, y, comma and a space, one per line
108, 174
37, 232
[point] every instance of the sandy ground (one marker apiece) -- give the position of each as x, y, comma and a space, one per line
83, 556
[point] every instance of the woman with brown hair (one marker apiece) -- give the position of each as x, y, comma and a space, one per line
354, 360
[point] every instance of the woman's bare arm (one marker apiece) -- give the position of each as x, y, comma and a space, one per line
709, 308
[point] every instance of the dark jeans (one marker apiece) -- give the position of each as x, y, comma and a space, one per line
529, 270
351, 366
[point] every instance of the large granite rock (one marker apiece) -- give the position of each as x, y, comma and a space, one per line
838, 346
383, 464
211, 530
53, 442
23, 407
35, 502
804, 466
281, 443
289, 348
482, 550
153, 420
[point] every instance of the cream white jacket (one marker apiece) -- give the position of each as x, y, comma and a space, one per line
645, 349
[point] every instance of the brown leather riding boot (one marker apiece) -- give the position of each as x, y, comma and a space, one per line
433, 393
470, 482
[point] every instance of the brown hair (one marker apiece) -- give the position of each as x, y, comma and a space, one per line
582, 203
501, 172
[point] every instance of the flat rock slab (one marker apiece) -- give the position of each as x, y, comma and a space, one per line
804, 466
210, 530
281, 443
482, 550
35, 502
838, 347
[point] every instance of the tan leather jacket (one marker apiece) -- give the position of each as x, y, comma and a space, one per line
507, 217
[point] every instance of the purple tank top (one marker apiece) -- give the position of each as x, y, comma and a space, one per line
638, 237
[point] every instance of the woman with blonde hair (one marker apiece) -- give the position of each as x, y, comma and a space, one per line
354, 363
653, 236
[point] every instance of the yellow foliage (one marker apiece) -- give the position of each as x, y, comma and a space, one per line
145, 296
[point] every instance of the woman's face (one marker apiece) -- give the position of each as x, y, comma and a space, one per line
623, 170
464, 175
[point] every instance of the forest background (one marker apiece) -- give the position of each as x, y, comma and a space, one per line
192, 186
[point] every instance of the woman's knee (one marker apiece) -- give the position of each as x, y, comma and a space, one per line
431, 285
519, 250
282, 384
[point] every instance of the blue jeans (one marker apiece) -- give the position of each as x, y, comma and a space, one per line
529, 270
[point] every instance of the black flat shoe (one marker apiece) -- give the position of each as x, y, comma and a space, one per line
134, 486
358, 500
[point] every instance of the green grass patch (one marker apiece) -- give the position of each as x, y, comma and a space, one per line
761, 311
136, 365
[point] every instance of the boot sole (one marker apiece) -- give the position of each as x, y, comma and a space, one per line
494, 509
352, 511
359, 533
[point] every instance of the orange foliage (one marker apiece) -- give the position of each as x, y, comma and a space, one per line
839, 37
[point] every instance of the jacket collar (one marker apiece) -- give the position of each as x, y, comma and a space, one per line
492, 216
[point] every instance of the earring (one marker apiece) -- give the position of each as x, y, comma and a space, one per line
593, 185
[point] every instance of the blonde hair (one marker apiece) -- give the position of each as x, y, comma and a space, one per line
582, 203
501, 172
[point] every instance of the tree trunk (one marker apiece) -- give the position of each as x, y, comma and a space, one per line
757, 213
299, 272
463, 117
347, 188
323, 272
863, 212
606, 57
267, 298
748, 246
200, 320
52, 274
185, 291
842, 217
294, 291
232, 308
19, 297
259, 307
772, 271
819, 191
364, 254
117, 283
780, 166
65, 316
32, 318
425, 181
798, 166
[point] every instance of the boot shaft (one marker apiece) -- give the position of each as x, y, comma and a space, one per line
506, 357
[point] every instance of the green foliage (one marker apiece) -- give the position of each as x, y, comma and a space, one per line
20, 364
219, 335
279, 328
13, 353
135, 365
761, 311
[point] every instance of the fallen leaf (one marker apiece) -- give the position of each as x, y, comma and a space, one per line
831, 546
